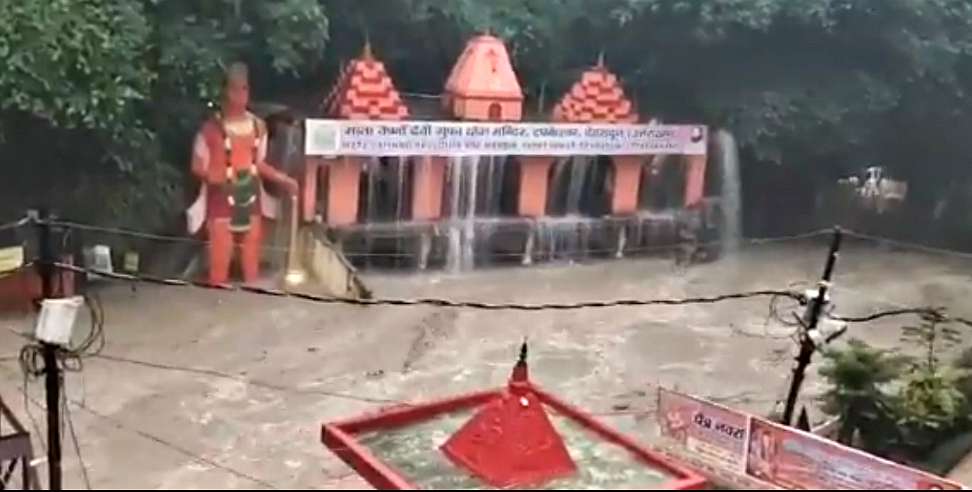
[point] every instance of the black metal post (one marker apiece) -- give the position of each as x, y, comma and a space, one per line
807, 346
52, 373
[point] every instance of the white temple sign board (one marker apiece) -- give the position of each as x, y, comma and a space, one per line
447, 138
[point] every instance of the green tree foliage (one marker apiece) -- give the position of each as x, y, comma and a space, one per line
75, 64
932, 338
822, 86
197, 39
98, 97
802, 80
859, 377
891, 404
964, 365
931, 407
73, 96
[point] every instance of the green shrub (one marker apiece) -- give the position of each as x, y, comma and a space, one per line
859, 377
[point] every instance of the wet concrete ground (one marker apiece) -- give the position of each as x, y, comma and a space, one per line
293, 364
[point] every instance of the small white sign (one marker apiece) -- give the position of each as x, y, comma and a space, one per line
11, 258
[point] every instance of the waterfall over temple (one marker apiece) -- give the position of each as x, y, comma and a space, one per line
458, 208
731, 190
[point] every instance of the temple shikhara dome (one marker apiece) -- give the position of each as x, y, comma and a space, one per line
365, 91
482, 85
596, 98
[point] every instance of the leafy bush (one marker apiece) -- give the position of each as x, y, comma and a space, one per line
930, 408
859, 377
964, 364
891, 404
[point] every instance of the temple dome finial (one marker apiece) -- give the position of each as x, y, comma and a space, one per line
366, 52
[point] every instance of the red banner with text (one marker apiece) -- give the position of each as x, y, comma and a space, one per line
800, 460
740, 443
712, 432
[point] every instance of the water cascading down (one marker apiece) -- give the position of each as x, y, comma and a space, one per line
728, 152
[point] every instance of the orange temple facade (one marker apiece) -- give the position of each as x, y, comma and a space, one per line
481, 87
364, 91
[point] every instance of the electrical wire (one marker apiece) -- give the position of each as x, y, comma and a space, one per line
119, 231
74, 439
378, 235
94, 341
909, 245
15, 224
30, 361
774, 310
6, 474
257, 383
391, 235
41, 437
118, 424
93, 344
160, 441
938, 314
96, 335
437, 302
743, 398
70, 359
760, 336
16, 271
34, 367
926, 312
775, 313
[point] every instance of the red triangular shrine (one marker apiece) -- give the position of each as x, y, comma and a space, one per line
511, 442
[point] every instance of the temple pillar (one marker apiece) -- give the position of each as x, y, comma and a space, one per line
534, 173
343, 178
627, 180
312, 173
427, 183
694, 179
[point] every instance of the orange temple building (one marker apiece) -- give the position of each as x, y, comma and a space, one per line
483, 87
364, 91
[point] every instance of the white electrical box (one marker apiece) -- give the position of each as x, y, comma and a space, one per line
56, 321
98, 258
813, 293
827, 330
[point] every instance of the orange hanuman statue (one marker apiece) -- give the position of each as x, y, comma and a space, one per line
229, 158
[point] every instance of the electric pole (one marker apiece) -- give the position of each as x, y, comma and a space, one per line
52, 373
807, 345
